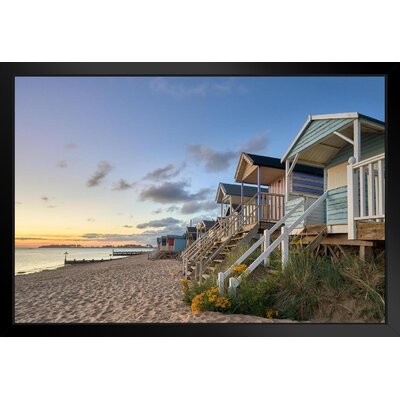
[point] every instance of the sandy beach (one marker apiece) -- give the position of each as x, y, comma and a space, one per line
128, 290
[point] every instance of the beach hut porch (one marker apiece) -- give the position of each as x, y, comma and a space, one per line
350, 149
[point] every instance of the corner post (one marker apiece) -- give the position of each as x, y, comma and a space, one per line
220, 282
267, 239
259, 193
241, 202
352, 199
233, 284
285, 247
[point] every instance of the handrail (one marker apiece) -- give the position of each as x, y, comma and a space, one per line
284, 236
224, 228
369, 160
222, 275
241, 223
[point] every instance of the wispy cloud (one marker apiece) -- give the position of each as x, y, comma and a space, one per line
165, 173
171, 209
45, 198
62, 164
127, 226
159, 223
171, 192
91, 220
215, 160
103, 169
18, 203
122, 184
51, 206
192, 207
70, 146
181, 89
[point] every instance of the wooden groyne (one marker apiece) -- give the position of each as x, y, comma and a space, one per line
126, 253
84, 261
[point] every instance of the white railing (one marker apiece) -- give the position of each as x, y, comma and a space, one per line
264, 240
271, 208
283, 238
366, 191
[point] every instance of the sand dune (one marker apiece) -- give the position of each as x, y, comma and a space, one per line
129, 290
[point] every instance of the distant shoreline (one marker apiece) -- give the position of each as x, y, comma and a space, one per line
86, 247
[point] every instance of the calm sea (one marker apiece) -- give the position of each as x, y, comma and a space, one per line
34, 260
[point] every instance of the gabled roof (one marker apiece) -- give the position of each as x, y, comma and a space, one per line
271, 169
234, 190
273, 162
191, 229
319, 128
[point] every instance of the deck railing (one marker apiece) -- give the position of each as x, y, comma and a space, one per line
271, 208
366, 191
283, 238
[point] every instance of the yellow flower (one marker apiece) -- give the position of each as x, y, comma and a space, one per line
240, 268
184, 282
271, 313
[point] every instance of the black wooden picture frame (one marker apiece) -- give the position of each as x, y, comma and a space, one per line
391, 73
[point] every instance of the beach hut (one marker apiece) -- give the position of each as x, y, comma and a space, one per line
204, 226
350, 148
265, 171
232, 196
190, 235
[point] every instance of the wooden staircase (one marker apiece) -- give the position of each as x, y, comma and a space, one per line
309, 238
215, 257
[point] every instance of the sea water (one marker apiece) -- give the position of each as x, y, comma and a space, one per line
29, 260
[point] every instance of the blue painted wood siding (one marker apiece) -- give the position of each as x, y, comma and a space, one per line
315, 218
372, 144
336, 206
307, 183
316, 131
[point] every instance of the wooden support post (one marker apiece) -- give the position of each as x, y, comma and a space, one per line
362, 253
267, 240
287, 166
259, 193
285, 247
357, 139
241, 201
220, 282
352, 200
381, 185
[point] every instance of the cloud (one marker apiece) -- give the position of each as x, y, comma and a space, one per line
215, 160
164, 173
171, 192
123, 185
192, 207
51, 206
45, 198
91, 220
18, 203
184, 88
169, 209
255, 144
159, 223
31, 238
62, 164
103, 169
127, 226
71, 146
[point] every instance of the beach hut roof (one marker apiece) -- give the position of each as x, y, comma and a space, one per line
318, 140
191, 229
271, 169
234, 190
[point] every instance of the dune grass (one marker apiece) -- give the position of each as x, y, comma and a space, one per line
309, 288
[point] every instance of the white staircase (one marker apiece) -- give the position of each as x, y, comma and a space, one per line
268, 248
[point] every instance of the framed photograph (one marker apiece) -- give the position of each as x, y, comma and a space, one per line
200, 199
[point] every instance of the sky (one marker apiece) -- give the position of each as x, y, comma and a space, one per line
122, 160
